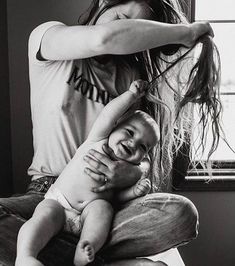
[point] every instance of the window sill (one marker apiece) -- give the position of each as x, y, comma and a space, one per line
205, 183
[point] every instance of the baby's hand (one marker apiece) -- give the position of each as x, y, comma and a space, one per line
139, 87
196, 30
142, 187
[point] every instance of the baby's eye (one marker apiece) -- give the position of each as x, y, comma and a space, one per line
130, 132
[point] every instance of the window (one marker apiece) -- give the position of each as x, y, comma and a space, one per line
222, 19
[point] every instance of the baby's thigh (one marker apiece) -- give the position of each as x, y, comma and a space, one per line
98, 208
50, 211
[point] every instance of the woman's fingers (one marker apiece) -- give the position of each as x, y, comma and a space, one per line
209, 29
103, 188
104, 159
99, 177
96, 165
196, 30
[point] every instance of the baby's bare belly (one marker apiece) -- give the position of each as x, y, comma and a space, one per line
80, 193
75, 184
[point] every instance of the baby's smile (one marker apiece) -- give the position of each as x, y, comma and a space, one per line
127, 150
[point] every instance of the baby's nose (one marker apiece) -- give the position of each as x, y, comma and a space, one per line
132, 144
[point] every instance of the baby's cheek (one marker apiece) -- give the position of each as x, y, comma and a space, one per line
139, 158
110, 143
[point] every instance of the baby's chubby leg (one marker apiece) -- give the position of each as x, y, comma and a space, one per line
96, 219
47, 220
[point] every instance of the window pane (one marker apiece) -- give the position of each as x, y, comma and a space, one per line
225, 41
214, 9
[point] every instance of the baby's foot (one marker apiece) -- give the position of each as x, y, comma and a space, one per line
27, 261
84, 253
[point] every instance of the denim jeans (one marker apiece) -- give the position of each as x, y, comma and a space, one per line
142, 227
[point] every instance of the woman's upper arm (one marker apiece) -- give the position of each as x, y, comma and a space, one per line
63, 42
35, 39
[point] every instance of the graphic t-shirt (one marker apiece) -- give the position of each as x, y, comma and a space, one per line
66, 98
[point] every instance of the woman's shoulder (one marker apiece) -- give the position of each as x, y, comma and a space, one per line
40, 30
36, 36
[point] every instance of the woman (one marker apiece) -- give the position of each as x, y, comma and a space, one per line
74, 72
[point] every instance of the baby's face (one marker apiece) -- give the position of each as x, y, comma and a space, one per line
132, 140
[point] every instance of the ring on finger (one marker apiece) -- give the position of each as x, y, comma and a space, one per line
105, 179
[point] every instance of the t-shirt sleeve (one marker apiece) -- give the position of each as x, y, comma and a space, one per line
35, 39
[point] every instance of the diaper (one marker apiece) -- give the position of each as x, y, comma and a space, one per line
72, 216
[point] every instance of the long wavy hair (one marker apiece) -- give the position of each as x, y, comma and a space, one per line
179, 78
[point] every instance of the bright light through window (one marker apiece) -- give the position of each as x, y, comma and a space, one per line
225, 41
215, 9
223, 152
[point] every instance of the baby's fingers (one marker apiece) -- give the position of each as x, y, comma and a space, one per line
145, 182
98, 177
139, 87
145, 185
142, 187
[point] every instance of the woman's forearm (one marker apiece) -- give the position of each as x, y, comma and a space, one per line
124, 36
135, 35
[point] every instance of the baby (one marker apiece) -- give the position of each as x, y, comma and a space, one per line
71, 201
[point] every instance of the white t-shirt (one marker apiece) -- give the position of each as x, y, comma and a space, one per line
66, 97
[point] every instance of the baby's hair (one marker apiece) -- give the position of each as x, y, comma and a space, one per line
147, 119
144, 117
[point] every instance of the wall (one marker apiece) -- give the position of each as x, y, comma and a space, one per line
23, 17
215, 243
5, 133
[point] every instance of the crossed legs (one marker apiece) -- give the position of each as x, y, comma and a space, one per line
146, 220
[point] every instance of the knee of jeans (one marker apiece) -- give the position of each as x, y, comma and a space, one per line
190, 218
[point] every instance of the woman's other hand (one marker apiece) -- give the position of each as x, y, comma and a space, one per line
196, 30
110, 174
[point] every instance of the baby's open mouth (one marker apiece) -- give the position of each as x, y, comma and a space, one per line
126, 149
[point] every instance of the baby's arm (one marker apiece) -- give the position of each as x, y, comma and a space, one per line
115, 109
139, 189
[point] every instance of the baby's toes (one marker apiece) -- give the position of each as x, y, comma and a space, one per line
89, 252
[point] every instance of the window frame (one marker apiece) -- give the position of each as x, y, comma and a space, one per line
223, 172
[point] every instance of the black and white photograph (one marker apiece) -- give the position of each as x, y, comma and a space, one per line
117, 133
